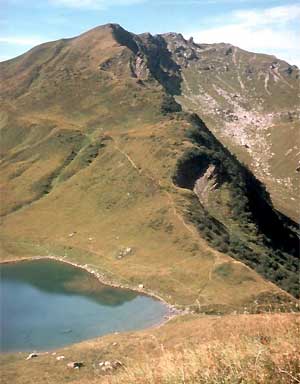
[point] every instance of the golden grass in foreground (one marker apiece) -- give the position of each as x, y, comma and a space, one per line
259, 354
215, 364
188, 350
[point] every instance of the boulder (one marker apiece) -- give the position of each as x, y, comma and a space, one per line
31, 356
110, 365
116, 364
75, 364
107, 368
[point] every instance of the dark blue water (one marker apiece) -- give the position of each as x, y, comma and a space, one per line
46, 304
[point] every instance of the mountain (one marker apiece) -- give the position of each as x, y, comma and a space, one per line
251, 102
100, 153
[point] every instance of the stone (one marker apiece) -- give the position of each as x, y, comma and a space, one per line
60, 358
107, 368
141, 286
75, 364
124, 252
31, 356
116, 364
110, 365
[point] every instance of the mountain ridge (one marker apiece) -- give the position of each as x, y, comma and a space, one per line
87, 118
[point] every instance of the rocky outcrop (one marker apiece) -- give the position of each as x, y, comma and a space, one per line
206, 183
31, 356
109, 366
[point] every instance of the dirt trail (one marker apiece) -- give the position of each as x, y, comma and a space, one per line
235, 62
218, 258
266, 83
191, 229
127, 157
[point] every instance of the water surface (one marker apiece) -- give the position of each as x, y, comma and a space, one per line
47, 304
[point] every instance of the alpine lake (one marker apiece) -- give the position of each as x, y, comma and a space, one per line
47, 304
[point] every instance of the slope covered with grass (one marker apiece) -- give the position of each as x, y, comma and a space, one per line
260, 349
93, 146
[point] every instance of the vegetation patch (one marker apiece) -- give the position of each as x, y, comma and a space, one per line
250, 229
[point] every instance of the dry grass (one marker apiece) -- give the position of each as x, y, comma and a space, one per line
188, 350
250, 352
124, 196
212, 365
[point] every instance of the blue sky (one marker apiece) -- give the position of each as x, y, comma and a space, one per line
270, 26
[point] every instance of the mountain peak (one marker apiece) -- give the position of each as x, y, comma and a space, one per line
77, 112
174, 36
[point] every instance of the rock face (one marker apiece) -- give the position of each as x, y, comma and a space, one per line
205, 183
247, 101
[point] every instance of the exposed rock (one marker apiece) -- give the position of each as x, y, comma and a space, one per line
124, 252
107, 366
229, 51
191, 40
75, 364
141, 286
205, 183
140, 68
116, 364
31, 356
60, 358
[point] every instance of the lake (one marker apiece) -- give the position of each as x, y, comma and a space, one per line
46, 304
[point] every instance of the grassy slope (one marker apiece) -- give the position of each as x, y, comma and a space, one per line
242, 348
89, 151
120, 196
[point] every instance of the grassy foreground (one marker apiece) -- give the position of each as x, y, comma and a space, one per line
88, 159
229, 349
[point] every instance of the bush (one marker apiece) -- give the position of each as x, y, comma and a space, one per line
169, 105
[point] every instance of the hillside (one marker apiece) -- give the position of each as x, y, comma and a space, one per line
251, 103
97, 156
103, 165
190, 349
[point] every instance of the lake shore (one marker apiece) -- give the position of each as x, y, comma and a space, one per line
172, 310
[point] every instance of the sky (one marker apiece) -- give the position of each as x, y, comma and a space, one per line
268, 26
